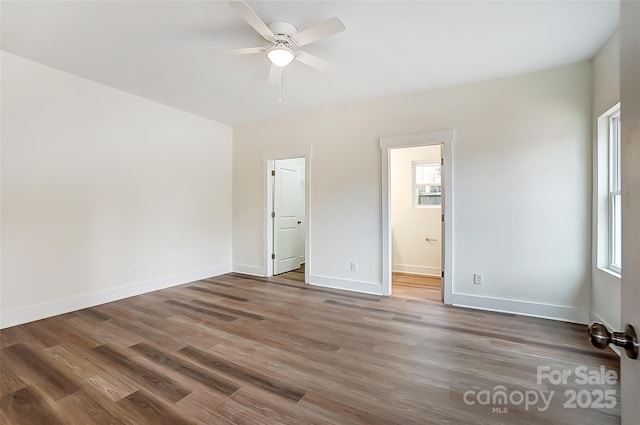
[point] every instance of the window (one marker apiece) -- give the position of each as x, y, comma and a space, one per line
615, 194
427, 185
608, 193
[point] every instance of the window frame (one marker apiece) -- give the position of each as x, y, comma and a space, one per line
414, 186
614, 187
606, 167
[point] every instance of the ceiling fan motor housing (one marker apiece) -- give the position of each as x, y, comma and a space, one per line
283, 32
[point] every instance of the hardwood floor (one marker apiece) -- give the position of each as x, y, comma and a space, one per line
243, 350
297, 275
416, 287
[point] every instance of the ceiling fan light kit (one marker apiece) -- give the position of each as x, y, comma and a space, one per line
280, 55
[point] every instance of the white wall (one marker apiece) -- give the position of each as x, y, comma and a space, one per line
606, 93
411, 226
104, 194
522, 188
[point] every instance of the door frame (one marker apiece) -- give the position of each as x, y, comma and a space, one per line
630, 283
268, 159
445, 138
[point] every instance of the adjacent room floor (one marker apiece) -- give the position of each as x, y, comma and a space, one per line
237, 349
417, 287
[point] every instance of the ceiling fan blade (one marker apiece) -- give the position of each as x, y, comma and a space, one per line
275, 73
316, 32
248, 51
313, 61
252, 19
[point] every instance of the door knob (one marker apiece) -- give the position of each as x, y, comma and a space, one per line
601, 337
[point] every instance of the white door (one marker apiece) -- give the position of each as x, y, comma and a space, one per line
630, 120
286, 208
442, 232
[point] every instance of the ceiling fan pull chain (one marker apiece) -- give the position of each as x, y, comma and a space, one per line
280, 99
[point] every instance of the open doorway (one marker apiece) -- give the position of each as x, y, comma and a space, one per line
416, 225
286, 216
444, 139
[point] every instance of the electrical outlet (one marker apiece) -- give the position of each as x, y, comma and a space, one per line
477, 278
354, 266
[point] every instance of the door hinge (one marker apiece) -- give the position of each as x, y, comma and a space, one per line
441, 161
273, 256
443, 218
273, 214
443, 274
273, 172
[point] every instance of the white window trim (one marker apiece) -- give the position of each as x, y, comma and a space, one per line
614, 188
603, 196
414, 186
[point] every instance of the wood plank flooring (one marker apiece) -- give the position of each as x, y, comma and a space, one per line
416, 287
242, 350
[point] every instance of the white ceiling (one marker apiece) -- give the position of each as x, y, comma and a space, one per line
173, 51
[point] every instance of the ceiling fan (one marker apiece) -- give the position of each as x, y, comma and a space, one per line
284, 39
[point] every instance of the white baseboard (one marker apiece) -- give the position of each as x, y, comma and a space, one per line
545, 311
346, 284
249, 270
40, 311
422, 270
